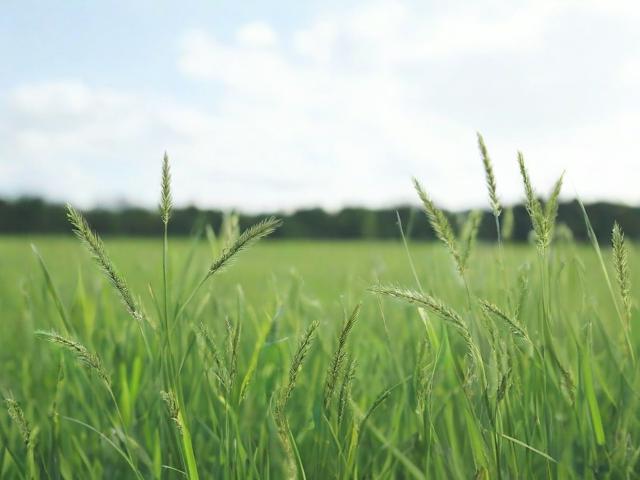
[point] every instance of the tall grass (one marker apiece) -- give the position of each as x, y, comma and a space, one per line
502, 361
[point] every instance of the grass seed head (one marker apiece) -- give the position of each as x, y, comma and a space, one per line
494, 201
247, 239
166, 201
17, 416
469, 236
339, 357
440, 224
95, 246
621, 266
86, 358
173, 410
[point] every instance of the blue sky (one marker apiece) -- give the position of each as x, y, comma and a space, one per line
277, 105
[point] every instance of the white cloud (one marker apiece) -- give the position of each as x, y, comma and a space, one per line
346, 109
257, 34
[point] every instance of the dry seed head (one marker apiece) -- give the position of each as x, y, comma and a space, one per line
166, 201
494, 201
83, 355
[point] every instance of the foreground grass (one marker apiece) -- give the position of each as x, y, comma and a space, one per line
429, 424
321, 360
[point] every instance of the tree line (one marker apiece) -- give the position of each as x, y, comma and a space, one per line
36, 216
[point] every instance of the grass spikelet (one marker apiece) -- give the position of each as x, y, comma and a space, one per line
440, 309
503, 386
166, 200
534, 208
422, 300
213, 354
493, 310
621, 265
230, 229
233, 342
17, 416
494, 201
173, 410
508, 224
296, 364
345, 388
244, 241
551, 208
469, 236
440, 224
338, 358
89, 360
95, 246
285, 394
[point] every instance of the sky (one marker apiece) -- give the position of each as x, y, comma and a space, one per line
279, 105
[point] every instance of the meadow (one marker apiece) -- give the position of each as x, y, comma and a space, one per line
320, 359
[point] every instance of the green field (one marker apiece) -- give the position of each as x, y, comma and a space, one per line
522, 414
225, 357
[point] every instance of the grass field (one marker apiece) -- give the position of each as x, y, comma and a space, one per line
445, 433
319, 360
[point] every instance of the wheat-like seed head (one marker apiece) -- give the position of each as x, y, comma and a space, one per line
440, 309
166, 201
345, 388
621, 265
492, 309
421, 300
440, 224
304, 345
220, 370
17, 416
86, 358
551, 210
534, 208
503, 386
249, 237
173, 410
469, 236
97, 249
494, 201
338, 358
285, 394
